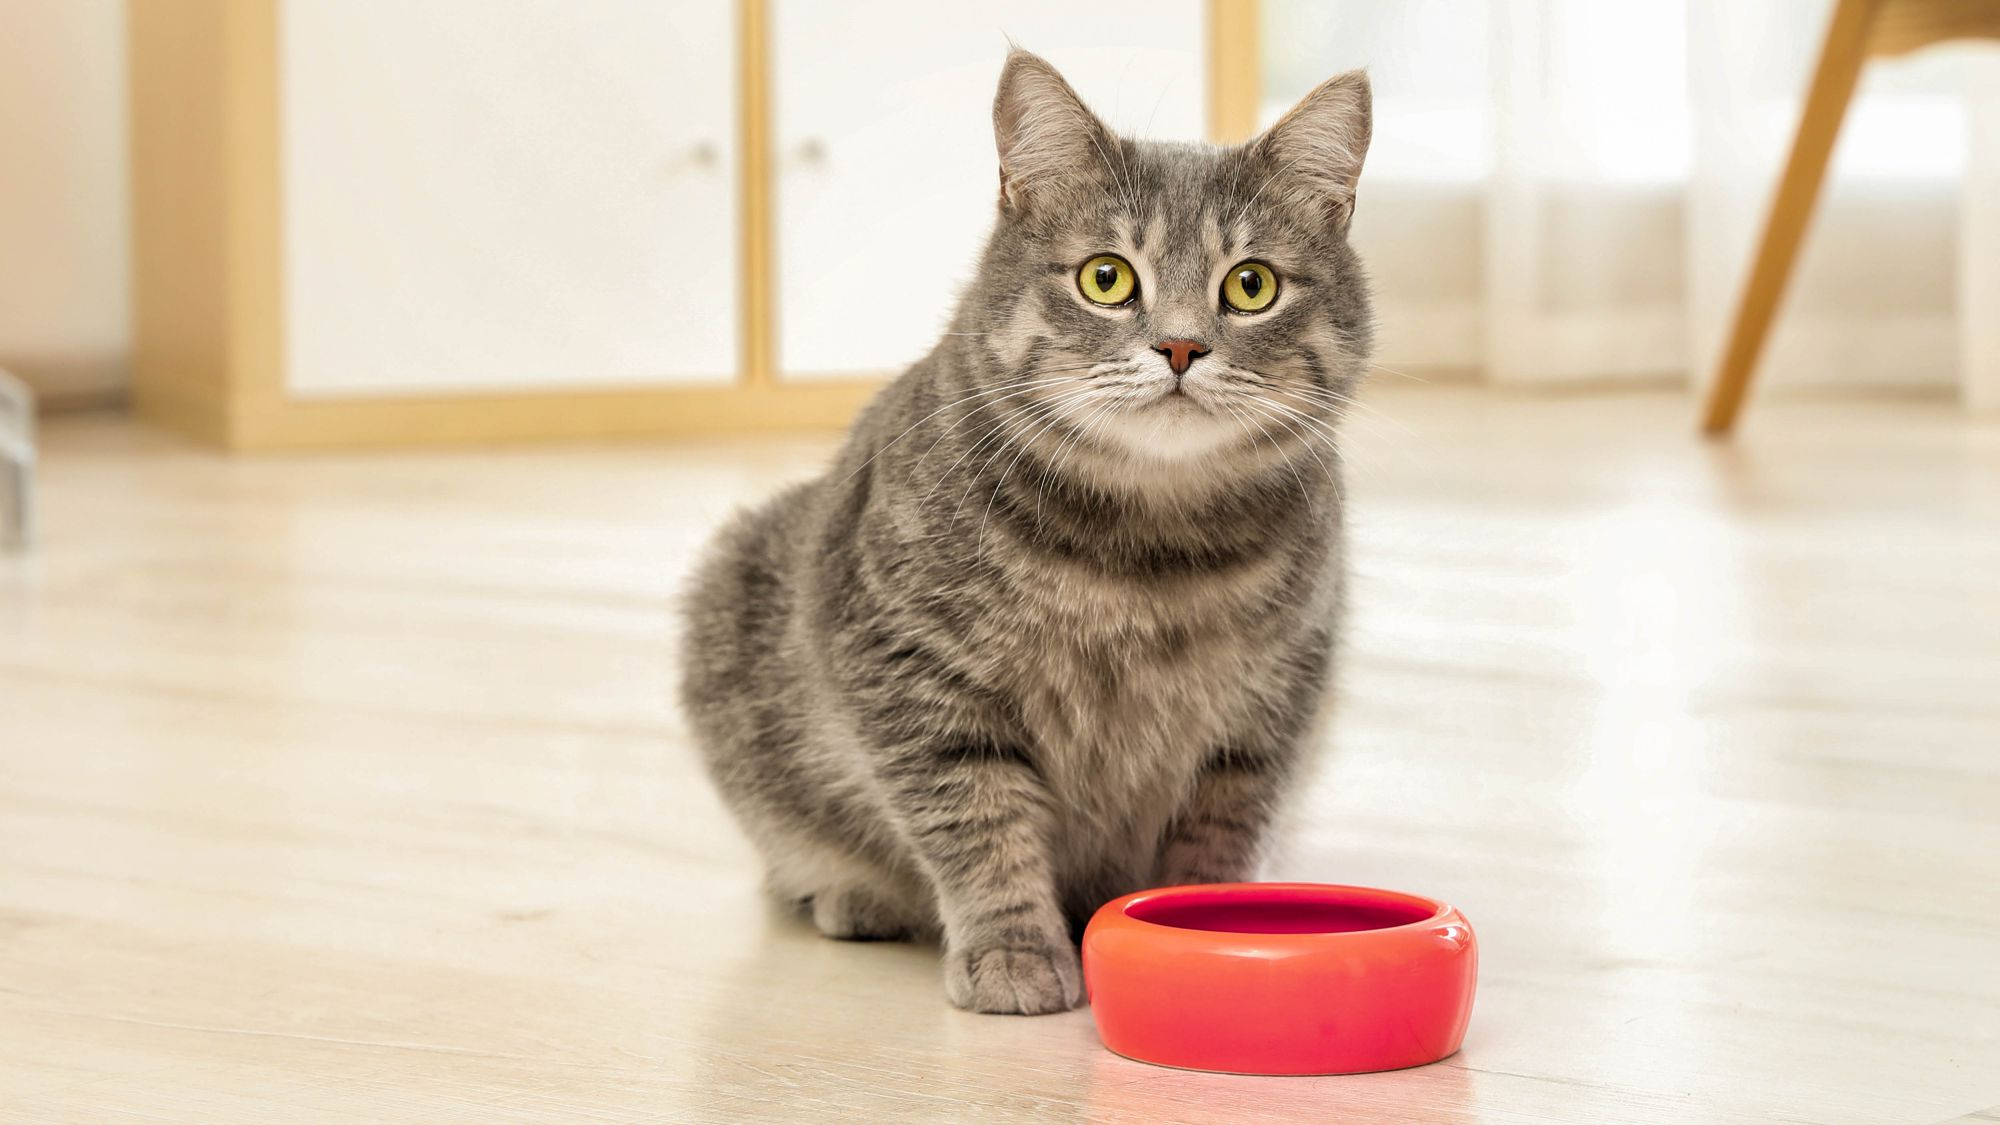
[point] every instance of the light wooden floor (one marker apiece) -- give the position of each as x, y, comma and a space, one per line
348, 789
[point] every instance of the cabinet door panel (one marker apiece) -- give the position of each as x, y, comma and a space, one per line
539, 194
884, 150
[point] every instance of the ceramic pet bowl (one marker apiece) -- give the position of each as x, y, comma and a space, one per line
1280, 978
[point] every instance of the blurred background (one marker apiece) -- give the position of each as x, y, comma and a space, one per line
396, 358
550, 197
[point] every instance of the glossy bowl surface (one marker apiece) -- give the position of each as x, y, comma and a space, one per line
1280, 978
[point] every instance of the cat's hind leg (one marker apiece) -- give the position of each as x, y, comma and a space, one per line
847, 897
861, 912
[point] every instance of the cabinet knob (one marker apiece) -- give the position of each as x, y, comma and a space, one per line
810, 152
701, 156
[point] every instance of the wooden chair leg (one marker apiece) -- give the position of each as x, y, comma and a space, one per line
1805, 170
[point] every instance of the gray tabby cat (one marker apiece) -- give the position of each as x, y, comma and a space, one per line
1057, 623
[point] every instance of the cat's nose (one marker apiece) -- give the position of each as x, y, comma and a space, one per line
1181, 353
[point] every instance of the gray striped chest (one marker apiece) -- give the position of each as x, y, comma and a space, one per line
1126, 691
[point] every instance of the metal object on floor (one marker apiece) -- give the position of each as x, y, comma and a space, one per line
17, 462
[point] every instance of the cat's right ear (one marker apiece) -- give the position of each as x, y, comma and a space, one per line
1050, 143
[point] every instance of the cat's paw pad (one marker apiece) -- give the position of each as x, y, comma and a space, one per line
1027, 980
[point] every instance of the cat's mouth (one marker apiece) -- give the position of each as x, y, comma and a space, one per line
1177, 397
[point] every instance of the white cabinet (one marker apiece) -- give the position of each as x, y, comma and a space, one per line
410, 221
538, 194
886, 175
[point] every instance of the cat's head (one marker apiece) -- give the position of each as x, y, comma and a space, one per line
1175, 302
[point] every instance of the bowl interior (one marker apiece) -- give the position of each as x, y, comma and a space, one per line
1281, 909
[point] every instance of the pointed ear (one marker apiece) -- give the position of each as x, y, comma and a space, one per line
1316, 148
1050, 143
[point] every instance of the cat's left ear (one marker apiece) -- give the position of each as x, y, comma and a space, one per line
1050, 143
1315, 150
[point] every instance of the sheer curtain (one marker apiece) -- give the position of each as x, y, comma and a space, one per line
1570, 190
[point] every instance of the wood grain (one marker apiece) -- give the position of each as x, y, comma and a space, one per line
1235, 78
347, 788
1909, 25
180, 215
756, 214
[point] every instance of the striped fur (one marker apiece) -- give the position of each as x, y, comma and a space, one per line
1046, 632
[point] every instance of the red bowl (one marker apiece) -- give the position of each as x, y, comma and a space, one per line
1280, 978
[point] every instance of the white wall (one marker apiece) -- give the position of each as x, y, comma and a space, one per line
64, 227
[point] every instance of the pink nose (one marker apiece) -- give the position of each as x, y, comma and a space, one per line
1180, 353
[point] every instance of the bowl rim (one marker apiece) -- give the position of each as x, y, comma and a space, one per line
1437, 910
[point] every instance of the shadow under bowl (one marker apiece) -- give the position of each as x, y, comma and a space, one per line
1280, 978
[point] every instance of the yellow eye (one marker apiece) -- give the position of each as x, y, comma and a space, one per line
1107, 279
1250, 287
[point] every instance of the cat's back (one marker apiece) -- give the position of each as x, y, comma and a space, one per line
736, 605
744, 599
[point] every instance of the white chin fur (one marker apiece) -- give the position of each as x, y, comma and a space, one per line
1169, 431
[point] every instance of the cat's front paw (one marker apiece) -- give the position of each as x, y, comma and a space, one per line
1013, 978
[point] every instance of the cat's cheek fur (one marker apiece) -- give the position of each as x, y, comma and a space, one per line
1033, 642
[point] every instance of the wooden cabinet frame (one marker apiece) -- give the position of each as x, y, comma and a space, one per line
208, 323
